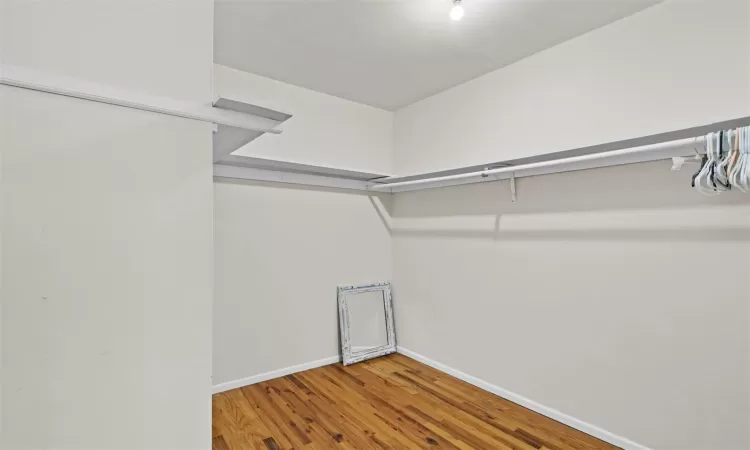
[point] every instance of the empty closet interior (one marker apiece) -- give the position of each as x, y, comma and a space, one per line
548, 203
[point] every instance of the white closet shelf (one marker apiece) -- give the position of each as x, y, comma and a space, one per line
239, 123
283, 171
312, 175
229, 139
298, 167
263, 169
680, 143
221, 114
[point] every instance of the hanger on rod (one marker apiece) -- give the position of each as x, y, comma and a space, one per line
738, 175
725, 152
701, 177
726, 163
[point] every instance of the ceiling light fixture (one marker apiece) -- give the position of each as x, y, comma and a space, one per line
458, 11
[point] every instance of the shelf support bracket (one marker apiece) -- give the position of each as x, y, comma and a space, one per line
513, 187
679, 161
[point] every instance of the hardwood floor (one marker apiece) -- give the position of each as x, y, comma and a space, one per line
392, 402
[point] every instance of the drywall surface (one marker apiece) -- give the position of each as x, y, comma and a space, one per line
158, 47
3, 127
618, 296
4, 114
323, 130
106, 224
282, 250
367, 322
107, 276
280, 253
639, 76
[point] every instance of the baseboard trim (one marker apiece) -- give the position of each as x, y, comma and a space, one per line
554, 414
229, 385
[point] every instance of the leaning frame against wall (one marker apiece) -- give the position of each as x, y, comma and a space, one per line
349, 356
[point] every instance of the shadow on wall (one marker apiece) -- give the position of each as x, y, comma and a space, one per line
640, 202
382, 203
635, 202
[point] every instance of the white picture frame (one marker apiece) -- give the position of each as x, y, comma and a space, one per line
348, 355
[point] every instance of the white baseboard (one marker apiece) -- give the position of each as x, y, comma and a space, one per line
229, 385
554, 414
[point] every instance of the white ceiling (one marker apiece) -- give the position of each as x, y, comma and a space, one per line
390, 53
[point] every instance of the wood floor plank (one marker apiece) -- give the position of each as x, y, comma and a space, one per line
317, 431
325, 417
386, 374
473, 439
384, 407
249, 426
231, 422
553, 431
271, 444
218, 443
393, 402
353, 431
450, 415
361, 412
295, 424
454, 410
255, 395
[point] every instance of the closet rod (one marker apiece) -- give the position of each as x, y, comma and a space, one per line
670, 149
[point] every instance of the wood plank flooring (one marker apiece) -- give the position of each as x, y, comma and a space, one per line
392, 402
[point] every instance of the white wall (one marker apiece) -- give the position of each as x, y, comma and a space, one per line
617, 296
645, 74
589, 295
323, 130
106, 231
367, 320
281, 250
280, 253
159, 47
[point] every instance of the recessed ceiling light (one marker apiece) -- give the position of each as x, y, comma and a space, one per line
458, 11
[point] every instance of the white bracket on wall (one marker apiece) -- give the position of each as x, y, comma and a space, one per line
679, 161
513, 187
228, 139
